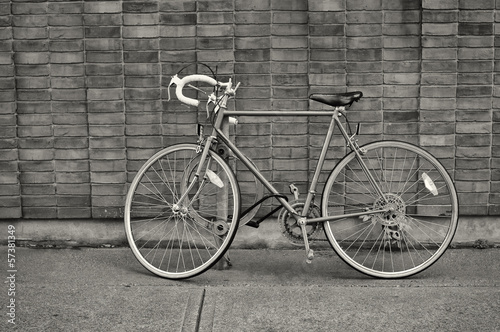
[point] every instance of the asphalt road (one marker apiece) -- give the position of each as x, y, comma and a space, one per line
89, 289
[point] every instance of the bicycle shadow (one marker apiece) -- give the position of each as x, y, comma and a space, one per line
268, 267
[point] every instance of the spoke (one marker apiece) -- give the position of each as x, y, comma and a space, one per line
163, 180
378, 251
359, 233
203, 237
373, 246
363, 193
157, 196
152, 229
417, 222
424, 197
402, 191
362, 183
180, 250
356, 207
164, 251
151, 198
393, 167
195, 247
159, 242
174, 192
409, 250
382, 168
411, 176
144, 205
343, 230
428, 222
402, 171
173, 174
366, 237
170, 245
135, 221
421, 243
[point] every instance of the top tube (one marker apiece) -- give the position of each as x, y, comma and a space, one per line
280, 113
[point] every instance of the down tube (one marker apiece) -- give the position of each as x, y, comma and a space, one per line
255, 171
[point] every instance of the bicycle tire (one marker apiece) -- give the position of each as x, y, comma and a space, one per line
423, 214
178, 241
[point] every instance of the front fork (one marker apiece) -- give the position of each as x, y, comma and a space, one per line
203, 148
199, 170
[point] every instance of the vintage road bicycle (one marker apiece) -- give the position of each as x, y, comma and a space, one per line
389, 209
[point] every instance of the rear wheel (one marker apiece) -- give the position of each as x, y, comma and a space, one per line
178, 225
421, 210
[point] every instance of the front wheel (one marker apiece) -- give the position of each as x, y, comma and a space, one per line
179, 224
420, 203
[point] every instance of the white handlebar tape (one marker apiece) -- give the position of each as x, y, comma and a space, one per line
188, 79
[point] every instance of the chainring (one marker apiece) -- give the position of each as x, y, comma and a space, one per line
291, 230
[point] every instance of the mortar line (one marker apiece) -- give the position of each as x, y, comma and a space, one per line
16, 106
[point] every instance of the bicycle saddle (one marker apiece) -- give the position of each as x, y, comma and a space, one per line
338, 99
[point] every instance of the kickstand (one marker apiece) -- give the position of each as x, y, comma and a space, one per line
224, 263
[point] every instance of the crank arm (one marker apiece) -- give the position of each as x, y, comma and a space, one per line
302, 221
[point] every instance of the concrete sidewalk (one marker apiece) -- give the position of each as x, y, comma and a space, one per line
87, 289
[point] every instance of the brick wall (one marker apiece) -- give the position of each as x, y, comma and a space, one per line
83, 89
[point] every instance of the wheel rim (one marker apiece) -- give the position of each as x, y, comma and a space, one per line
180, 239
421, 214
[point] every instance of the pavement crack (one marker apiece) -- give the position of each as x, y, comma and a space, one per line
200, 310
191, 319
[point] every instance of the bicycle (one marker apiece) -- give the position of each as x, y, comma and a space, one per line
389, 209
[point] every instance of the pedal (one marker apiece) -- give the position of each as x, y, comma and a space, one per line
253, 224
310, 256
295, 191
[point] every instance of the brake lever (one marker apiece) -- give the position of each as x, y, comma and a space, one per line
236, 88
232, 92
175, 80
211, 99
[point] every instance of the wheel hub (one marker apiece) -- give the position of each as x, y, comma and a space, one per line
395, 207
393, 221
179, 210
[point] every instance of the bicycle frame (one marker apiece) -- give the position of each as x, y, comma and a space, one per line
335, 114
391, 235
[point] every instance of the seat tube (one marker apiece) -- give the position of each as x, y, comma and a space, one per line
319, 166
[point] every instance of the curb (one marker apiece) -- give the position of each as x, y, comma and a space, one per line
472, 231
